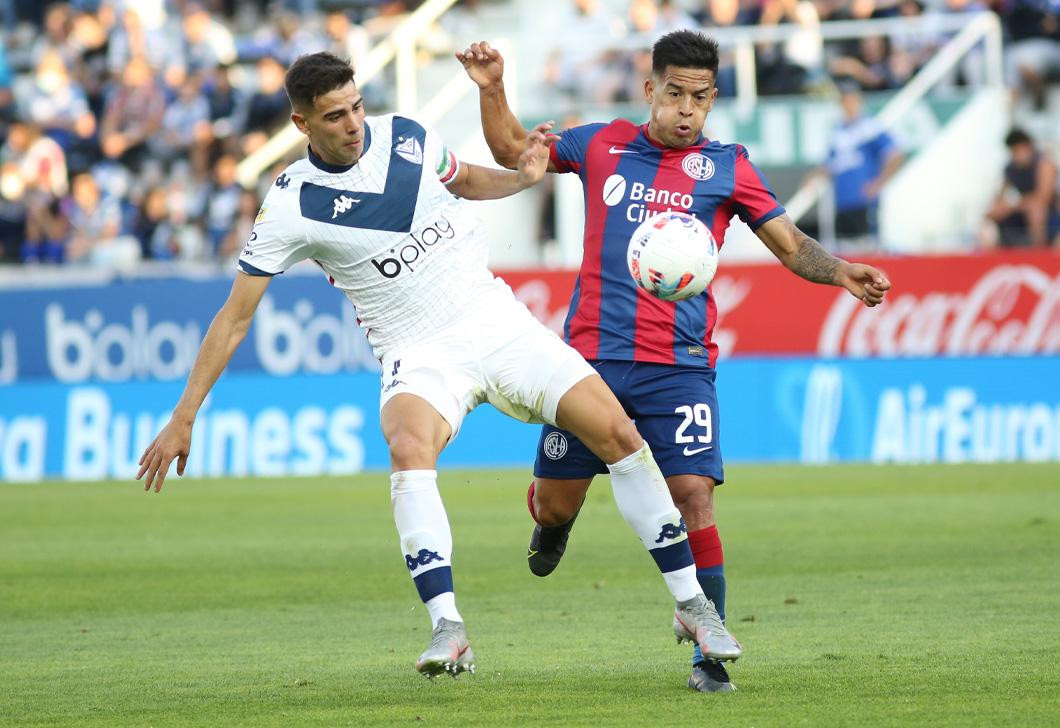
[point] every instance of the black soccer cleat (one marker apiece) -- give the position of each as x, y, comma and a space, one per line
547, 544
710, 676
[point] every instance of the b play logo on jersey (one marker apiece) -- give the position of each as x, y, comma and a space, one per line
698, 166
422, 243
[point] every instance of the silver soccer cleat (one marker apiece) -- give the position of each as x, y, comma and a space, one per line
697, 621
710, 676
449, 651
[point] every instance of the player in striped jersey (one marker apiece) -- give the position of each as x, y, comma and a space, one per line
658, 357
375, 205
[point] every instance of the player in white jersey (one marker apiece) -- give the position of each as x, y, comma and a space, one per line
373, 204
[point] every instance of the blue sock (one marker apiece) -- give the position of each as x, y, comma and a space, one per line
712, 579
710, 571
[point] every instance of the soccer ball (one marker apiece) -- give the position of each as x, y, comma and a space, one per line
672, 256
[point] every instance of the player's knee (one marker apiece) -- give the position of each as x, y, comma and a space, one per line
696, 502
410, 450
622, 438
694, 498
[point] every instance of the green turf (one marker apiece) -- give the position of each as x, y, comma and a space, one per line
863, 596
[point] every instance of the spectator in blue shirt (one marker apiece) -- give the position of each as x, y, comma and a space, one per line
862, 156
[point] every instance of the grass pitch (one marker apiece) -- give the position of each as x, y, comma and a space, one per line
863, 596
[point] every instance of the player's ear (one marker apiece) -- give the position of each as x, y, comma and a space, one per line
649, 89
300, 122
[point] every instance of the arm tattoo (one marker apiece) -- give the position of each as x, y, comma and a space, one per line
811, 260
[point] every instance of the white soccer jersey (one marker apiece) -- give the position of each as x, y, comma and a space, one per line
386, 231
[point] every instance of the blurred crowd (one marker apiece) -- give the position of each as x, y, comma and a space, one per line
600, 54
122, 122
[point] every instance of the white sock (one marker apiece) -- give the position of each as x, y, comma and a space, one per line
426, 541
443, 606
644, 501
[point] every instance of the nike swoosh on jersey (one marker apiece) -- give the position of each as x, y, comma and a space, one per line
697, 450
616, 150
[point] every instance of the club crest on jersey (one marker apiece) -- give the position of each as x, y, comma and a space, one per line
698, 166
342, 204
410, 150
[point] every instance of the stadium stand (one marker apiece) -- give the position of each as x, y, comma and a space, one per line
122, 122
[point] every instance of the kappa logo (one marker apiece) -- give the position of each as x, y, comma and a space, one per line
423, 558
670, 531
555, 446
698, 166
410, 150
342, 204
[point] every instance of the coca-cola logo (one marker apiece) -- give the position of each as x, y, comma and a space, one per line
1011, 309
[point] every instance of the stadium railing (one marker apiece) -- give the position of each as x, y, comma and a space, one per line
398, 48
971, 30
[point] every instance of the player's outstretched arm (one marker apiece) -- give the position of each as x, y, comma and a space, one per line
226, 331
504, 133
804, 256
482, 183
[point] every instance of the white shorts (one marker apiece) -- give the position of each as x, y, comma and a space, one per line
501, 355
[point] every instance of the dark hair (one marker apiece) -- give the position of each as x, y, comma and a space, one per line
685, 49
1016, 137
314, 75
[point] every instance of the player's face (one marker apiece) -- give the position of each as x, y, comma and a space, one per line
335, 125
680, 100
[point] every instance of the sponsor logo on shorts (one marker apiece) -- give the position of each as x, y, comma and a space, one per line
555, 446
696, 451
393, 384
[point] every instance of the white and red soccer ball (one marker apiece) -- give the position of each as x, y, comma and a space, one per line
672, 256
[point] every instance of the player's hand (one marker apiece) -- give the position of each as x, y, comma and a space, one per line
864, 282
484, 64
533, 162
174, 441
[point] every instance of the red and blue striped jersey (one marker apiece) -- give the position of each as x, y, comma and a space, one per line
627, 177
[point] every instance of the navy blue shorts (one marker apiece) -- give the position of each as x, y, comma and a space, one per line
675, 410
